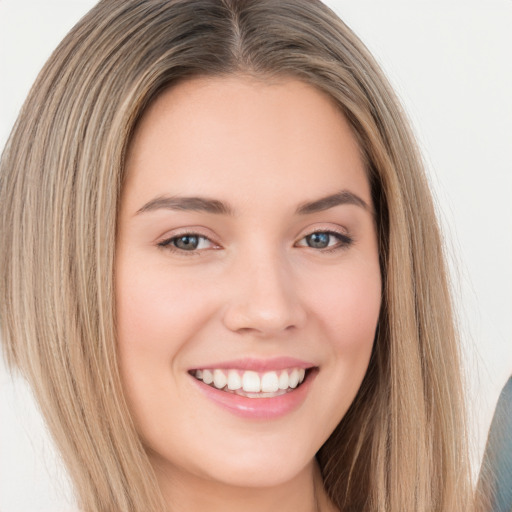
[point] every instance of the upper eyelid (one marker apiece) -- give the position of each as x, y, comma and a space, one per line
188, 233
194, 231
166, 241
324, 229
197, 231
343, 238
166, 244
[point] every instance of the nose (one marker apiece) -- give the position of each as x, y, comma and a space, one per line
263, 298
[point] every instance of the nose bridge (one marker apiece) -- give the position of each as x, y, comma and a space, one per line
264, 296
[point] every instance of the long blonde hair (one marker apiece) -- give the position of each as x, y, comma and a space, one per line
402, 445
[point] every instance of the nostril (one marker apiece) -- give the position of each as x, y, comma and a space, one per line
262, 321
265, 302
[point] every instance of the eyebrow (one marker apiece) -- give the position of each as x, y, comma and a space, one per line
324, 203
196, 204
207, 205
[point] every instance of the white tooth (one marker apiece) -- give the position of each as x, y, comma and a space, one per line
207, 376
302, 374
199, 374
219, 379
251, 382
283, 380
234, 380
269, 382
294, 378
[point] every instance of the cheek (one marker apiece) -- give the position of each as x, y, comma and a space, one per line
348, 308
346, 311
158, 311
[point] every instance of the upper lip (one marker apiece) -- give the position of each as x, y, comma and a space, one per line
258, 365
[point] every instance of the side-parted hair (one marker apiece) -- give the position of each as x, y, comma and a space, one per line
401, 447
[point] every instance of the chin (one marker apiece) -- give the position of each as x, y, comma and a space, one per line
257, 472
245, 465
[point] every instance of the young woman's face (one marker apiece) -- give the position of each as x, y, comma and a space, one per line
246, 254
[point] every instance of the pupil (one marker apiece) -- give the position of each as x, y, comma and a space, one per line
187, 242
318, 240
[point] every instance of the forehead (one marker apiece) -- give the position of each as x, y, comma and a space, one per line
237, 135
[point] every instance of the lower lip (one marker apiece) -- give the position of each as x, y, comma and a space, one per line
259, 408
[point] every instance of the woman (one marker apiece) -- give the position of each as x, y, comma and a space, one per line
201, 199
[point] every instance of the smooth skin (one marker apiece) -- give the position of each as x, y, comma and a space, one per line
247, 278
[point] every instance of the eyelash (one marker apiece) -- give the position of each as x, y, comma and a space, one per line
168, 244
344, 242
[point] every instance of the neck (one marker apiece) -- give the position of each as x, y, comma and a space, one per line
187, 492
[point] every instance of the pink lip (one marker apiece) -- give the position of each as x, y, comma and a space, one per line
258, 365
259, 408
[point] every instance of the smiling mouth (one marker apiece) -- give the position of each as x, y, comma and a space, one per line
253, 384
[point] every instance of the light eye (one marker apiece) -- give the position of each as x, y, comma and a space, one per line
187, 242
319, 240
325, 240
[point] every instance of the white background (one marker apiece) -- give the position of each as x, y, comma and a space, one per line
450, 62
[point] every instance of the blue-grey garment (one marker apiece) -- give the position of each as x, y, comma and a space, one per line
496, 472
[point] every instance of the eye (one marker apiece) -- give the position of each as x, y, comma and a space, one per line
325, 240
187, 242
